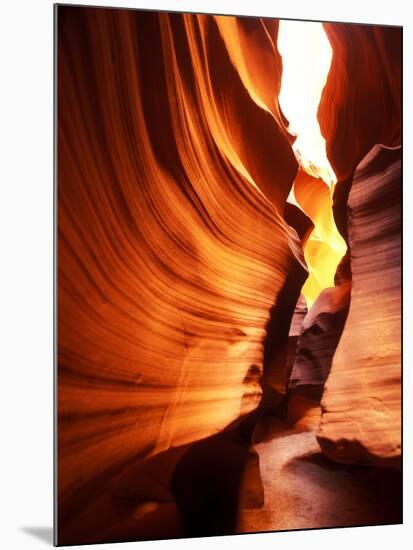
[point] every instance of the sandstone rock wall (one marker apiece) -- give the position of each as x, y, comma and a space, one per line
361, 403
360, 117
173, 169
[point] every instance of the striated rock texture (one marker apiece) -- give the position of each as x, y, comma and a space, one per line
180, 265
361, 402
360, 109
361, 102
323, 246
319, 335
173, 170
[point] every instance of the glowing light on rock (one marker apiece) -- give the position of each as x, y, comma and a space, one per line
307, 54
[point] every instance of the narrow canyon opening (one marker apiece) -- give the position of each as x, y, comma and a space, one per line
306, 60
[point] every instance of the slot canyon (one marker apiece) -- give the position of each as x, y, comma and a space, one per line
229, 275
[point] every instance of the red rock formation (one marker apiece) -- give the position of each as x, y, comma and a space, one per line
361, 108
361, 402
170, 254
323, 246
319, 335
177, 258
361, 102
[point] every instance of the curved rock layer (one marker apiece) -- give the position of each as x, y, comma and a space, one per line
323, 246
319, 335
360, 108
361, 403
178, 255
173, 169
361, 101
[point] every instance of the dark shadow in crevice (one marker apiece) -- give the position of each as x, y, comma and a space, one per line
366, 494
207, 479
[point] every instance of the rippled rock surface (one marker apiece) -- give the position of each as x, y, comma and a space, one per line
319, 335
361, 102
173, 172
361, 403
181, 269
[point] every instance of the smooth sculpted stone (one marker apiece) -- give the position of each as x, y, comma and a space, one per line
173, 174
319, 335
362, 399
361, 101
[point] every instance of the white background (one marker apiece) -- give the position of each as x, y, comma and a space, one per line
26, 270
